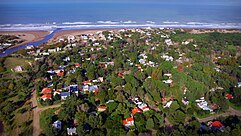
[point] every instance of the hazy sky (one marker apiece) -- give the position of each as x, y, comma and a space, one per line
203, 2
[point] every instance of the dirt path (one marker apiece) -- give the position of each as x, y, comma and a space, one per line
36, 114
230, 112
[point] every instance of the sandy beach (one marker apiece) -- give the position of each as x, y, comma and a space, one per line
27, 36
32, 36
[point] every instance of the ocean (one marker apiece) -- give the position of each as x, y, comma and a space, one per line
49, 16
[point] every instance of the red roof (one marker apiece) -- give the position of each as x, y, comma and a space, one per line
47, 96
180, 69
59, 90
46, 91
61, 73
217, 124
77, 65
86, 82
145, 107
135, 110
120, 75
125, 121
228, 96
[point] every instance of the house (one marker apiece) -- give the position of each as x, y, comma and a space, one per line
61, 40
137, 100
85, 88
71, 131
74, 88
229, 96
57, 92
109, 101
87, 82
46, 91
128, 122
143, 107
135, 110
66, 59
168, 104
120, 75
71, 38
239, 84
46, 96
57, 124
169, 81
64, 95
203, 104
77, 65
216, 125
168, 42
93, 88
102, 108
61, 73
18, 69
185, 101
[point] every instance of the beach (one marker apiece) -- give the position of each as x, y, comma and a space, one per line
27, 36
34, 36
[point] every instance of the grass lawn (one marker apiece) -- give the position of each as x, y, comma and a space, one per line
233, 106
12, 62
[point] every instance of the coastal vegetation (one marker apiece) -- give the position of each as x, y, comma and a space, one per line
171, 71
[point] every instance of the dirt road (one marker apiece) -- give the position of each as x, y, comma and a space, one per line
36, 114
230, 112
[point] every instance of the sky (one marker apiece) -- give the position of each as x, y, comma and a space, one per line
203, 2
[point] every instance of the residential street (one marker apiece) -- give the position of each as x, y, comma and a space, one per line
36, 114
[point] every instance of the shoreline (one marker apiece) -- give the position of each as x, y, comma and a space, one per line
37, 35
27, 36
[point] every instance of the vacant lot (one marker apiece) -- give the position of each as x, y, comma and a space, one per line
11, 63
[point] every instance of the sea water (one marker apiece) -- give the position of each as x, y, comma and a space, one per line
72, 15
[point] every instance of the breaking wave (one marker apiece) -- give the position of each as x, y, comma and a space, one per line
116, 24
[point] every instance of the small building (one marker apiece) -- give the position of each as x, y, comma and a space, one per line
135, 110
229, 96
216, 125
60, 73
143, 107
57, 124
77, 65
71, 38
102, 108
128, 122
46, 96
137, 100
85, 88
185, 101
74, 88
93, 88
57, 92
64, 95
18, 69
168, 104
71, 131
87, 82
46, 91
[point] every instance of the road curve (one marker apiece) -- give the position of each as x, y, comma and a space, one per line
230, 112
36, 113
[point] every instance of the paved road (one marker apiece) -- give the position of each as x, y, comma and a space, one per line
36, 114
230, 112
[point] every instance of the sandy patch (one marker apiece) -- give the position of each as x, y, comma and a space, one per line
27, 36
